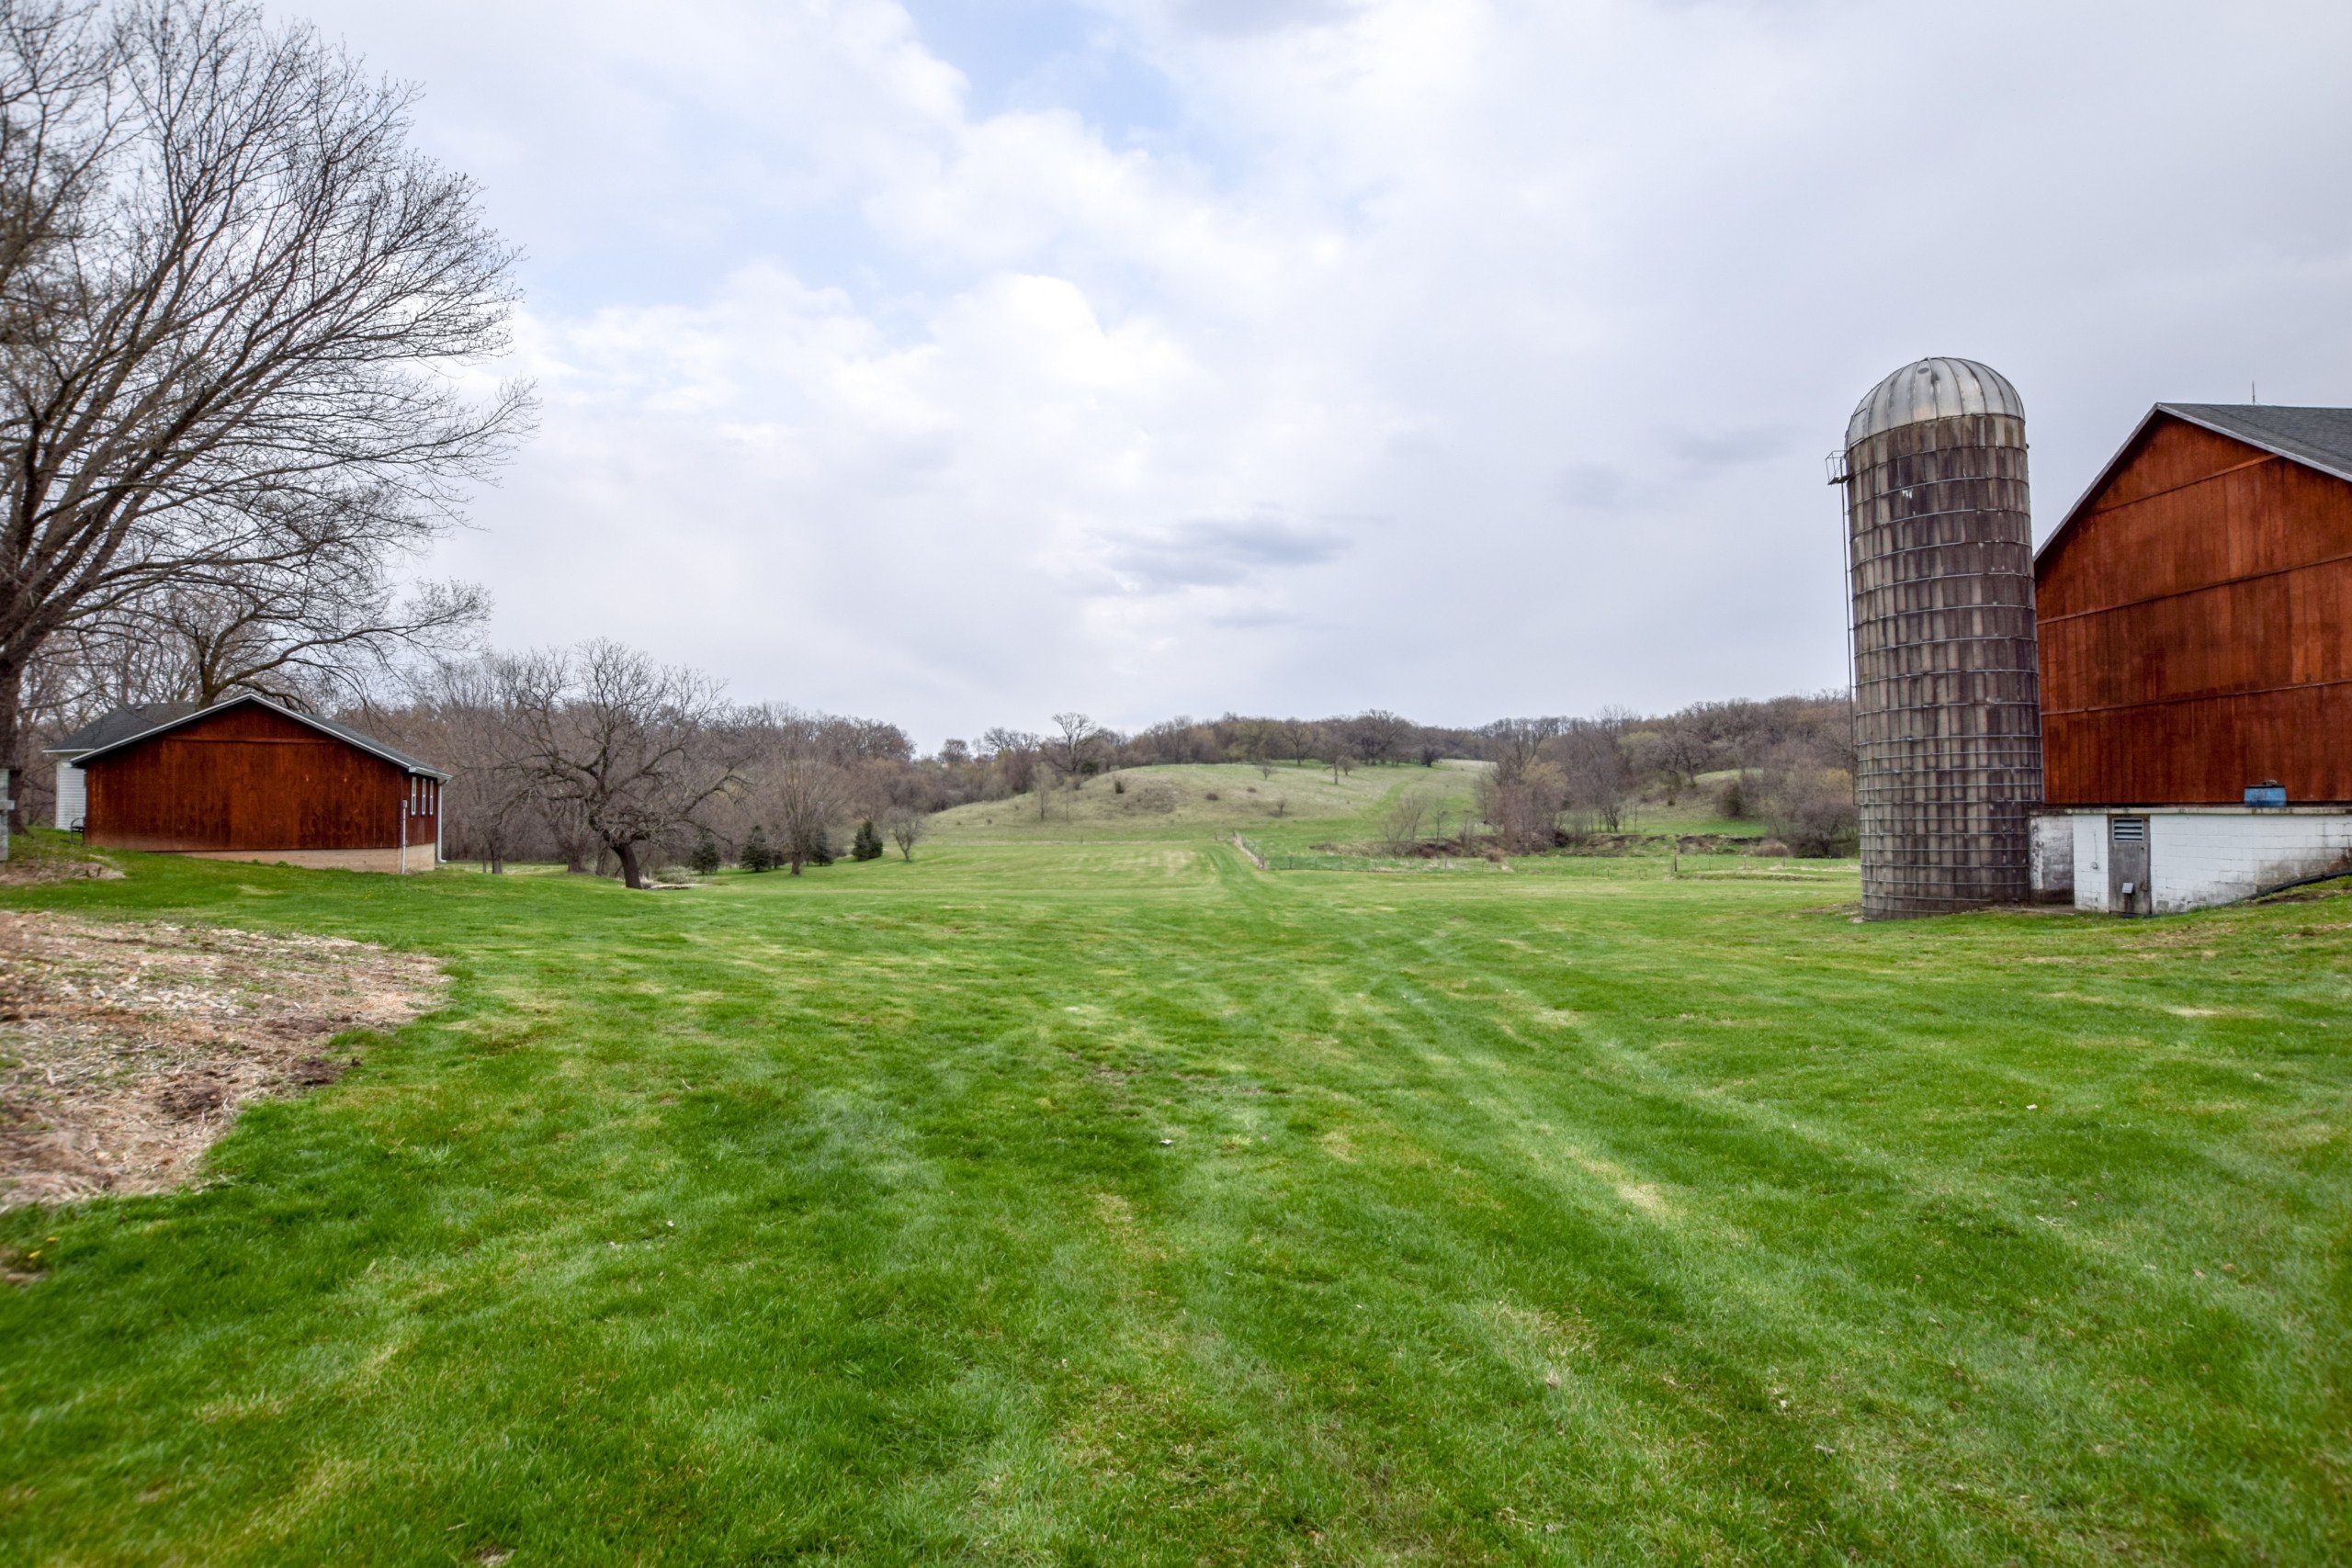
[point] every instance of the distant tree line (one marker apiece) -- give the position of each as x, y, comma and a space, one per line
601, 759
1784, 762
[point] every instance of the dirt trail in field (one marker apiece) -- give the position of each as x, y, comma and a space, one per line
126, 1048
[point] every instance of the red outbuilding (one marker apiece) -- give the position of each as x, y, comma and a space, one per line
250, 779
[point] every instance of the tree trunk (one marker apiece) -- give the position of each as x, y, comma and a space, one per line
795, 862
12, 738
626, 854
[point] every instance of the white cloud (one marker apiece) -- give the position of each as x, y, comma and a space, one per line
1459, 357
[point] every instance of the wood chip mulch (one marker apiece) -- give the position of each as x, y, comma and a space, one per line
126, 1048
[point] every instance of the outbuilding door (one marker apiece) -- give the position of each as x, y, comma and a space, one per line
2127, 866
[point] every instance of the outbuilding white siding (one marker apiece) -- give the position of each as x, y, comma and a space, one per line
71, 795
2201, 856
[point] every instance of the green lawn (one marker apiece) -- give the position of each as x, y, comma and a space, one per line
1084, 1194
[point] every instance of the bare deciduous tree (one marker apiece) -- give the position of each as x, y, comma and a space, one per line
1255, 741
1013, 753
317, 636
455, 713
1401, 822
635, 747
1512, 743
1069, 750
804, 795
1684, 752
1523, 802
230, 296
1808, 801
1378, 734
1598, 776
907, 829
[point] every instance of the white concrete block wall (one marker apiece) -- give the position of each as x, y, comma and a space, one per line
2049, 858
2198, 859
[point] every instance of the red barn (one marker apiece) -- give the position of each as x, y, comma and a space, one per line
2195, 613
247, 779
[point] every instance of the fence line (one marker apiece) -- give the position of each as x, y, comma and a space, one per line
1673, 868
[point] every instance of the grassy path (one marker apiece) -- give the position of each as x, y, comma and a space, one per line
1117, 1201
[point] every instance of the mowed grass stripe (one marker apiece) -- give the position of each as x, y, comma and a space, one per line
1496, 1218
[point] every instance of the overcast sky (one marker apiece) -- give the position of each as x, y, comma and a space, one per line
957, 361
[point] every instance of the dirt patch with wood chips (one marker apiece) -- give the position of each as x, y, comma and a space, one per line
126, 1048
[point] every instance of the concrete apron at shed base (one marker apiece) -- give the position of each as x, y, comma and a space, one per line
418, 857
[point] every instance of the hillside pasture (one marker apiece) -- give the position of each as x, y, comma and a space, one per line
1288, 803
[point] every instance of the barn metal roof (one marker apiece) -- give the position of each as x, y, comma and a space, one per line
118, 725
1941, 387
2318, 438
187, 715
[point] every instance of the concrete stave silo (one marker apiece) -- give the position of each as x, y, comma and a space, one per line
1947, 719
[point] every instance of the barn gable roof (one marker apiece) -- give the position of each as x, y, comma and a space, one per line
342, 732
118, 725
2319, 438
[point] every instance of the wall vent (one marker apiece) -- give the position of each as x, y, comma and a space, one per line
2128, 830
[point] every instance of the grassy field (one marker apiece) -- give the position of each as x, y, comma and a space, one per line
1083, 1194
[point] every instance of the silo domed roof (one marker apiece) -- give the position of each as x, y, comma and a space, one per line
1933, 388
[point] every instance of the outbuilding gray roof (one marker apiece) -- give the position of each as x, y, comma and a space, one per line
1940, 387
120, 724
2318, 438
184, 714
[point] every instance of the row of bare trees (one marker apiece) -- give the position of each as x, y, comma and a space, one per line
240, 322
600, 756
1788, 762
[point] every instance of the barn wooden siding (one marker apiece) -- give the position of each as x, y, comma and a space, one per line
2195, 621
251, 779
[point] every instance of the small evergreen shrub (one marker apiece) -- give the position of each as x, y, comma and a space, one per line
756, 855
705, 858
868, 845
